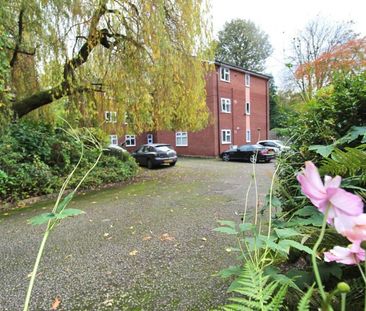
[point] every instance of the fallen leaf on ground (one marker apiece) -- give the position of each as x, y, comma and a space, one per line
94, 202
133, 253
106, 234
146, 238
204, 239
56, 303
166, 237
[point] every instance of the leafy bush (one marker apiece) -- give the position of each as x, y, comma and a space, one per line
37, 157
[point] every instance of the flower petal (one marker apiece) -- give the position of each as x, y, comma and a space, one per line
330, 182
345, 203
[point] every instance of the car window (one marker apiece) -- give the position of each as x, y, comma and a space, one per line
163, 148
245, 148
150, 149
144, 149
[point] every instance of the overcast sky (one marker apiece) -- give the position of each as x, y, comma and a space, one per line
282, 19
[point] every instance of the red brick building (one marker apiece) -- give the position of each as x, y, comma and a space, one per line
239, 105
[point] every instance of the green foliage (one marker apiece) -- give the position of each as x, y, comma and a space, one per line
36, 158
304, 304
243, 44
255, 291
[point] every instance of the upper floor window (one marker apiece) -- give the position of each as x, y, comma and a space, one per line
110, 116
247, 108
225, 74
247, 79
226, 105
226, 136
130, 140
181, 139
113, 139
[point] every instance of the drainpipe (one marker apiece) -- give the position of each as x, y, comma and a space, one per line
232, 117
218, 111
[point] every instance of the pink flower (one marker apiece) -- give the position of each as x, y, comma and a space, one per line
351, 255
329, 194
352, 227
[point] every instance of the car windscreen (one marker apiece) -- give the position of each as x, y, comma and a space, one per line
163, 148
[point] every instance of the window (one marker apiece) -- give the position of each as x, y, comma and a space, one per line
181, 139
248, 136
114, 140
226, 136
225, 74
130, 140
226, 105
150, 138
247, 108
110, 116
247, 79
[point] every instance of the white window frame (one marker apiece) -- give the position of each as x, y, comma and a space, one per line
225, 74
226, 105
179, 139
110, 116
113, 140
150, 138
226, 137
247, 79
248, 136
247, 108
130, 140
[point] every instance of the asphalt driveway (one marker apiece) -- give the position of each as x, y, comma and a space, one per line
148, 245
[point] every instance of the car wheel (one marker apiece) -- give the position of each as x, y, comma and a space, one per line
172, 164
253, 158
149, 164
226, 157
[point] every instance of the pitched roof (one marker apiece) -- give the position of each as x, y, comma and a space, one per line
241, 69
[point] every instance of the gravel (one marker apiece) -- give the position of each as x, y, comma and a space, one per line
149, 245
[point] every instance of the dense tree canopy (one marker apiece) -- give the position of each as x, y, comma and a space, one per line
143, 57
243, 44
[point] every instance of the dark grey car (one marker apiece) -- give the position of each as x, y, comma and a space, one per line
153, 155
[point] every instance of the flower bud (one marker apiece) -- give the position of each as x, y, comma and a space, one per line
343, 287
363, 245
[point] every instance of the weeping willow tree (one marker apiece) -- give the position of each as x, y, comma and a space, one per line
141, 57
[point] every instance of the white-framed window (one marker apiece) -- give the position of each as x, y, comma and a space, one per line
224, 74
181, 139
130, 140
226, 136
110, 116
247, 108
226, 105
150, 138
247, 79
248, 136
114, 140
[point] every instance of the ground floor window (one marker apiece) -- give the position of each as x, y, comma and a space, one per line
110, 116
226, 136
248, 136
150, 138
114, 140
130, 140
181, 139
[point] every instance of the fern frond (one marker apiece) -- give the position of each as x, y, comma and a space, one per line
255, 292
304, 304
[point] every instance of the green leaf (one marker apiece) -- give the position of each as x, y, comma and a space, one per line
226, 230
315, 220
276, 202
324, 151
227, 223
41, 219
246, 227
62, 205
286, 233
353, 134
306, 211
275, 274
296, 245
232, 270
69, 212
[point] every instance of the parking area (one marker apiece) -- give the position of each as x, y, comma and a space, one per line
148, 245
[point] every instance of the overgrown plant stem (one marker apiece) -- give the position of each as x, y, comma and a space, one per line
35, 268
313, 256
343, 301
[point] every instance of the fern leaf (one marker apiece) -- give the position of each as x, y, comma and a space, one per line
304, 304
277, 300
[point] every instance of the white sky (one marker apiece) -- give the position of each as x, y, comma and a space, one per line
283, 19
